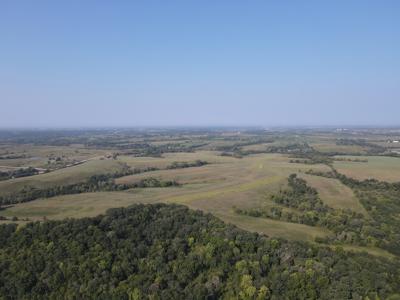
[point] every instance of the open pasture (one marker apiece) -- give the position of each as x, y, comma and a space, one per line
39, 156
334, 194
377, 167
69, 175
167, 159
330, 146
220, 186
216, 188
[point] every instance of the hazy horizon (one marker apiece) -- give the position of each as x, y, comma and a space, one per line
208, 64
202, 127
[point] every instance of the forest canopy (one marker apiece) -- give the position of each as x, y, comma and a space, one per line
170, 252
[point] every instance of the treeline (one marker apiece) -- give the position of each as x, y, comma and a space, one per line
236, 154
300, 196
18, 173
304, 153
173, 165
350, 159
96, 183
311, 158
12, 156
170, 252
185, 164
306, 207
326, 158
242, 142
371, 148
295, 149
143, 148
381, 200
367, 184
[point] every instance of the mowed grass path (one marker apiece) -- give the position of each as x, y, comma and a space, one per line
377, 167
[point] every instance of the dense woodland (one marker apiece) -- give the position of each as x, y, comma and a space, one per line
170, 252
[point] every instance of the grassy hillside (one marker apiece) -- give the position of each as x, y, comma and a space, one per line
63, 176
334, 193
241, 171
215, 188
377, 167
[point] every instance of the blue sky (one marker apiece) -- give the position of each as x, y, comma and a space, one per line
177, 63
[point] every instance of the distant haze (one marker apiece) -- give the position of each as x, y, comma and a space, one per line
198, 63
